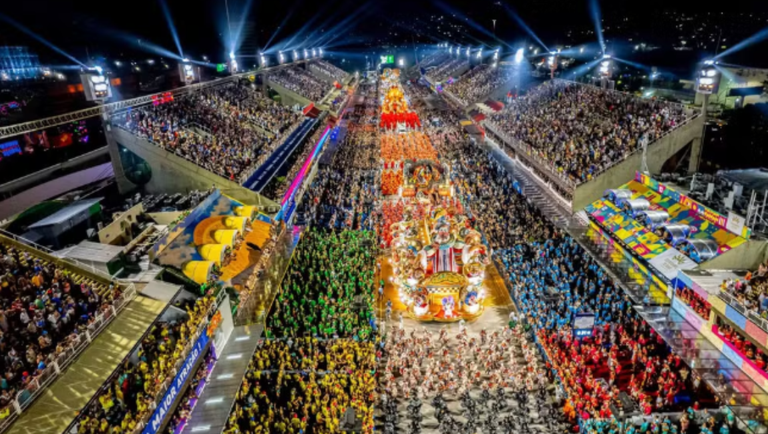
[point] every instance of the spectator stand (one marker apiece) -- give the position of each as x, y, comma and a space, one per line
295, 85
712, 363
165, 357
732, 301
664, 230
680, 126
67, 349
261, 177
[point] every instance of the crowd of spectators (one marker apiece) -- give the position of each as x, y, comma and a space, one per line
342, 194
132, 393
44, 310
190, 399
581, 130
228, 130
301, 82
479, 82
304, 385
751, 291
447, 70
328, 69
552, 279
327, 290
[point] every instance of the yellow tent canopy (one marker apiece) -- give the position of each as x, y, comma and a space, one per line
198, 270
235, 222
213, 252
247, 211
225, 236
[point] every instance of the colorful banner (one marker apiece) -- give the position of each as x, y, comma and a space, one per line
702, 211
176, 387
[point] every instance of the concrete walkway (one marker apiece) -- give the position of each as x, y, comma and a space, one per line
57, 407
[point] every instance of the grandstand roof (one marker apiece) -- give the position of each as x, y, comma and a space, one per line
93, 252
751, 179
66, 213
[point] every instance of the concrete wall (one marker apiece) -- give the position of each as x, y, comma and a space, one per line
744, 257
658, 153
117, 233
287, 96
171, 173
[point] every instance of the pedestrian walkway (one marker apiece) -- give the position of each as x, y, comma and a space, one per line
619, 268
269, 169
58, 406
213, 406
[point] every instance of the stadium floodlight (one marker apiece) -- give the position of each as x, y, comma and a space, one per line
151, 61
536, 51
709, 62
117, 63
314, 52
708, 81
606, 56
605, 67
205, 58
581, 50
232, 55
295, 56
185, 60
480, 53
263, 60
187, 71
401, 62
467, 51
450, 50
281, 57
519, 54
98, 69
306, 55
321, 52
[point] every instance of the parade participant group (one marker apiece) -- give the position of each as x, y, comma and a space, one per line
332, 345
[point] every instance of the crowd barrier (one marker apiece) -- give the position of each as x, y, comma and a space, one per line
34, 388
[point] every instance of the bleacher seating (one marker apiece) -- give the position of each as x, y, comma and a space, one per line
46, 311
581, 130
208, 128
301, 82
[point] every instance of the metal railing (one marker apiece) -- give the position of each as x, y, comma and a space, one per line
532, 155
34, 388
201, 328
751, 314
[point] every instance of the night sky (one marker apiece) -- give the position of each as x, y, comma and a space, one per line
93, 28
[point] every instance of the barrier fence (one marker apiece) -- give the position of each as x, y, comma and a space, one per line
34, 388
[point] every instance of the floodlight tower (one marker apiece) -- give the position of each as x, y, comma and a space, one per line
232, 63
552, 61
96, 85
187, 72
707, 83
605, 72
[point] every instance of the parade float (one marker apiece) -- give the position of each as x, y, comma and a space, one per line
438, 262
394, 104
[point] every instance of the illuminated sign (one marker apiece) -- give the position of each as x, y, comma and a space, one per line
162, 99
221, 67
583, 324
153, 424
389, 58
10, 148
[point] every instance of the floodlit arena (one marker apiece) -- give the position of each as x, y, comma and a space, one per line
412, 218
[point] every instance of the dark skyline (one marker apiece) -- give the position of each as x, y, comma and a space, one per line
92, 28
